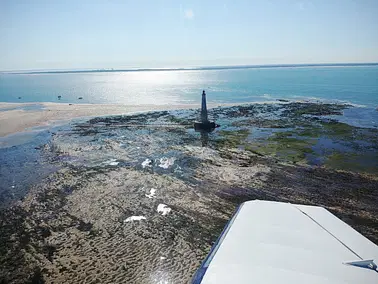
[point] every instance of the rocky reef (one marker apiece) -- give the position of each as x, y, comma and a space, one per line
142, 198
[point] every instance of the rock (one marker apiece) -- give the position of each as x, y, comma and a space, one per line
281, 100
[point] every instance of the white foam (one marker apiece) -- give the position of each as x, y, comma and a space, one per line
134, 218
111, 162
165, 163
152, 193
163, 209
146, 163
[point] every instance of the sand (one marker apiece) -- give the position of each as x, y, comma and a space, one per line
15, 119
75, 227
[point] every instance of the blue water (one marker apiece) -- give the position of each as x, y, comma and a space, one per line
357, 85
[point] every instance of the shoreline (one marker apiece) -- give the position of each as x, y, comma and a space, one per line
193, 68
17, 119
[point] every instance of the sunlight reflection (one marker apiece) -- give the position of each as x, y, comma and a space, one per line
150, 87
151, 77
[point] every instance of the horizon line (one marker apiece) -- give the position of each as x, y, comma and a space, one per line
199, 68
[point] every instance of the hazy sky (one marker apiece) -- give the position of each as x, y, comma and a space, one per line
64, 34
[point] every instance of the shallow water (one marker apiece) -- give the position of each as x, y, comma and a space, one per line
360, 117
23, 165
25, 107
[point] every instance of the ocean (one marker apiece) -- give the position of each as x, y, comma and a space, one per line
356, 85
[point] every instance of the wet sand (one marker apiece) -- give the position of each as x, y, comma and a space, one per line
96, 218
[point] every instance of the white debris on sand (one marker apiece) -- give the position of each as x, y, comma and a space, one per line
163, 209
162, 257
152, 193
146, 163
134, 218
111, 162
165, 163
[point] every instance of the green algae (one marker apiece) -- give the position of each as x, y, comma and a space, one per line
261, 123
181, 121
311, 132
302, 135
284, 146
232, 139
338, 129
318, 109
356, 162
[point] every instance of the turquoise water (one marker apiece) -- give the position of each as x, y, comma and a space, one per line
356, 85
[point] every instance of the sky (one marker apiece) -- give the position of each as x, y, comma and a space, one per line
91, 34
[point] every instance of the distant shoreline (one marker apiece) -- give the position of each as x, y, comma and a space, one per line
205, 68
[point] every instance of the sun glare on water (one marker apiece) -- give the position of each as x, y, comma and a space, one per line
148, 87
151, 77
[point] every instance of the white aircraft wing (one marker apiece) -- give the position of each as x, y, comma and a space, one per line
274, 242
